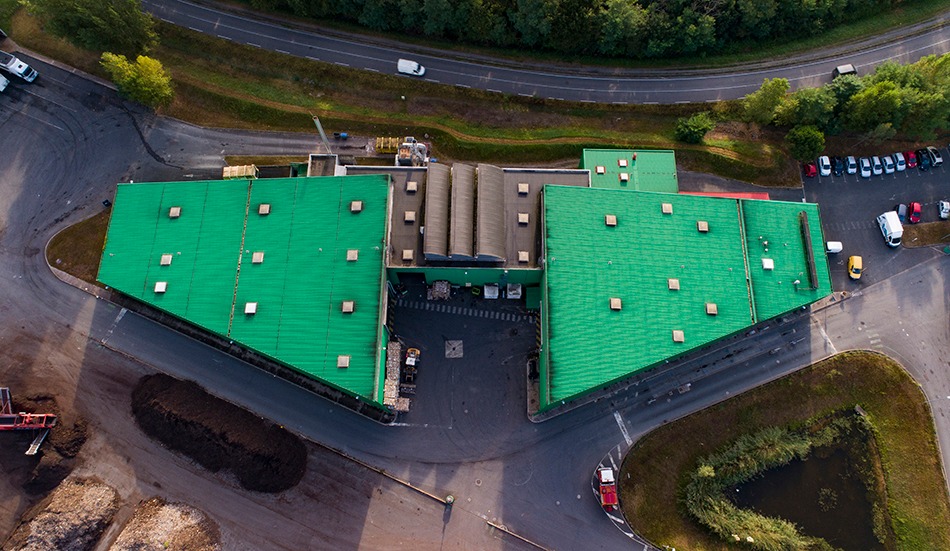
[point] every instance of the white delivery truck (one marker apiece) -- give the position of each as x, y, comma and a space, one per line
409, 67
891, 228
12, 64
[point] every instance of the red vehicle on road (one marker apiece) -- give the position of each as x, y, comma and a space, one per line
608, 489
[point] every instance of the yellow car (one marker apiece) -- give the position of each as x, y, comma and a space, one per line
855, 265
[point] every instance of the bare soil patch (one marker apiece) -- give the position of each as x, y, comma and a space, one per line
218, 435
158, 525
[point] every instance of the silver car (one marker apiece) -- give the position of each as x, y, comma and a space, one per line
888, 164
865, 167
876, 167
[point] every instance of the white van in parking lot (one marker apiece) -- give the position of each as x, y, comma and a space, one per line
891, 228
409, 67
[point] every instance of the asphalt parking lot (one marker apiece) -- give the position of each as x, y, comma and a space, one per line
849, 207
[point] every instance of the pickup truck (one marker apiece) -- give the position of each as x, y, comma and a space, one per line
12, 64
607, 489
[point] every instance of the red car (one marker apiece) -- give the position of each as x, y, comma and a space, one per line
913, 213
811, 170
911, 159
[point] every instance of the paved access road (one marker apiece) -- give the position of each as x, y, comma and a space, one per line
563, 82
67, 141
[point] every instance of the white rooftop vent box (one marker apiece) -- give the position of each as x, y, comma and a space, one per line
412, 186
263, 209
673, 283
621, 163
678, 336
408, 255
257, 257
250, 307
523, 257
667, 208
348, 306
356, 206
624, 177
768, 264
523, 218
343, 361
352, 255
166, 260
410, 216
523, 188
513, 291
161, 286
601, 170
491, 291
711, 308
616, 303
610, 219
174, 212
702, 226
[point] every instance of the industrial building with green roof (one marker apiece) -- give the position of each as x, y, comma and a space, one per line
624, 272
292, 268
632, 170
634, 279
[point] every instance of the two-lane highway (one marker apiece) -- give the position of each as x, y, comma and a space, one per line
560, 82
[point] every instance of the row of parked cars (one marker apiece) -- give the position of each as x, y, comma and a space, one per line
921, 159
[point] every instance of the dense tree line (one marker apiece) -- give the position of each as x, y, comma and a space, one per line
621, 28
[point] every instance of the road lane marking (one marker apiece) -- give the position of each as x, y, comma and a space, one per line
115, 322
623, 429
827, 340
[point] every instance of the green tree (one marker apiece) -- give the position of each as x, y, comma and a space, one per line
876, 104
623, 24
144, 81
693, 129
805, 142
113, 25
808, 106
759, 106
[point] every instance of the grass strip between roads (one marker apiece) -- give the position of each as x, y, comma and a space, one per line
219, 83
657, 468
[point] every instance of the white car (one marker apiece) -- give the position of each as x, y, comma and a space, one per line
409, 67
852, 165
944, 208
935, 158
876, 167
900, 161
865, 167
888, 163
824, 166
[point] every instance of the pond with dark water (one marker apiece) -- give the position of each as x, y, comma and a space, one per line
824, 495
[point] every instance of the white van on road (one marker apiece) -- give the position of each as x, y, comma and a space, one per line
409, 67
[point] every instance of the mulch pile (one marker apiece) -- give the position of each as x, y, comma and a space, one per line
217, 434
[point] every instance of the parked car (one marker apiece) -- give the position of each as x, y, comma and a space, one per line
923, 159
911, 159
913, 213
935, 158
901, 210
943, 207
824, 165
865, 167
810, 170
900, 161
888, 163
837, 165
852, 165
876, 167
855, 267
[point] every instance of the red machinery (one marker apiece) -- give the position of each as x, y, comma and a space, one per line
608, 489
40, 422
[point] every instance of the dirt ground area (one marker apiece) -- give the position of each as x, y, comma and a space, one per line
218, 435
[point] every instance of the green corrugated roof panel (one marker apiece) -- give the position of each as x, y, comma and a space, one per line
588, 263
653, 170
299, 286
777, 223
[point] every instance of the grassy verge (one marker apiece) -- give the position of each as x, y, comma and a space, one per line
924, 235
659, 464
78, 249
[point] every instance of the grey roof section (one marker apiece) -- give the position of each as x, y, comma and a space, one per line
403, 235
435, 243
462, 229
490, 215
526, 237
